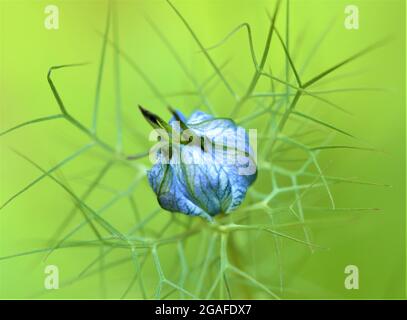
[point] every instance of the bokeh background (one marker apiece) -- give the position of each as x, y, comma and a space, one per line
373, 240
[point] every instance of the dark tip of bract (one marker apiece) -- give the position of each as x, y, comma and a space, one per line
152, 118
178, 118
155, 121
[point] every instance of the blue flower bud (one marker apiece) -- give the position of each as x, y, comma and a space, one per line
208, 175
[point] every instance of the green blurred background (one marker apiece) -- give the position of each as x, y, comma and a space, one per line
372, 240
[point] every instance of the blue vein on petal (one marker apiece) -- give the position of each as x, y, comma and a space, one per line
205, 189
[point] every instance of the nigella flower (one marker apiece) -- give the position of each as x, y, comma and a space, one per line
203, 165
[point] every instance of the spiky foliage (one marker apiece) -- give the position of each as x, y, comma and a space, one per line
207, 260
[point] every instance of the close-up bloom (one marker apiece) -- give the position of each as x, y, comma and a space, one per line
206, 178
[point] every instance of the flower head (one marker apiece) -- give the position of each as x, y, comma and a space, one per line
204, 165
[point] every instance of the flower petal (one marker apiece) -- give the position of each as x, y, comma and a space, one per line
212, 185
